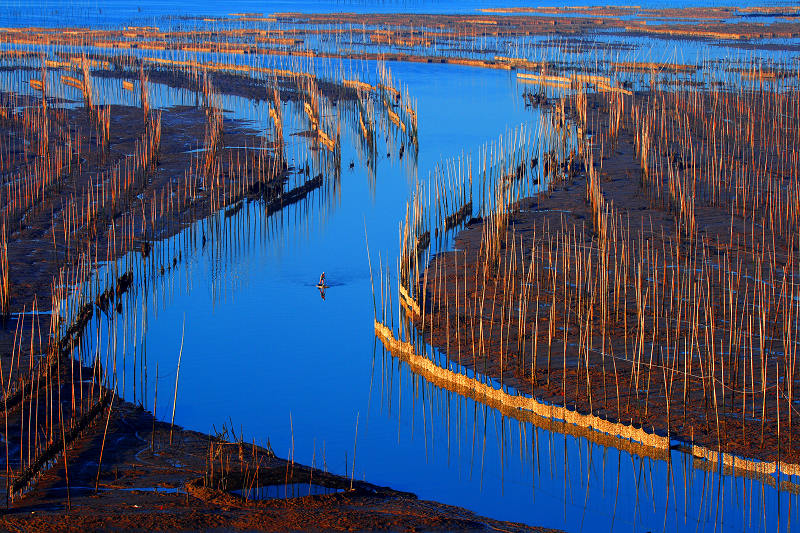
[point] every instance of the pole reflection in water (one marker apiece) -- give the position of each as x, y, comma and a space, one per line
597, 482
262, 344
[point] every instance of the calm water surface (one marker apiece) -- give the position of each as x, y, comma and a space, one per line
265, 354
112, 12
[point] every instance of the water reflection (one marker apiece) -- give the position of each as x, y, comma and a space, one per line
595, 483
263, 351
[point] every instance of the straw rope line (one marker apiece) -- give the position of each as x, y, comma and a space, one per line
482, 391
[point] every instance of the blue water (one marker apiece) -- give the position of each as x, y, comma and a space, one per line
153, 12
263, 353
290, 490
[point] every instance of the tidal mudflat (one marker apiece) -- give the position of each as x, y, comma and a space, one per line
559, 247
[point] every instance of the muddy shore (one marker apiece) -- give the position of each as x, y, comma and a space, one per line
147, 484
118, 467
544, 320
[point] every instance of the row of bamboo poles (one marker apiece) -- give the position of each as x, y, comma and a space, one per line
494, 41
674, 331
119, 203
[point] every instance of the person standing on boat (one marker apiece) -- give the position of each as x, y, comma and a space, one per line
321, 282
